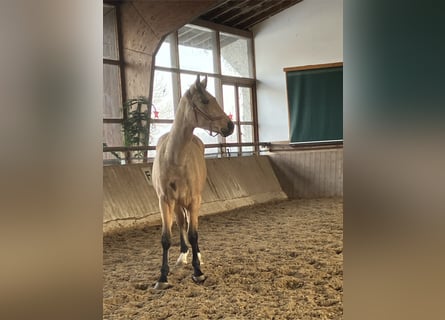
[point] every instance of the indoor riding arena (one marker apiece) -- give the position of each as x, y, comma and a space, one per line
271, 215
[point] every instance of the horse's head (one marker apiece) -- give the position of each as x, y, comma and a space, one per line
208, 113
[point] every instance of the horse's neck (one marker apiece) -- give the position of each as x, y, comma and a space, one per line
181, 134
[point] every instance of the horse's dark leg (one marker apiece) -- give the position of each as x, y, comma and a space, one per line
166, 213
181, 220
166, 243
198, 276
184, 247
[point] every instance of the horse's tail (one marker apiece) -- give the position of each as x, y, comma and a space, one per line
185, 225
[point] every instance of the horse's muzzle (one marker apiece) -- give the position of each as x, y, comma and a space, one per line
228, 130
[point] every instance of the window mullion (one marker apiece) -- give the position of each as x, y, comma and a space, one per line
217, 70
217, 56
174, 55
122, 68
238, 118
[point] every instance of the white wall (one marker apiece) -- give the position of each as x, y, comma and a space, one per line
310, 32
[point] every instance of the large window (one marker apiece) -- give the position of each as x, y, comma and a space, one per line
227, 60
225, 56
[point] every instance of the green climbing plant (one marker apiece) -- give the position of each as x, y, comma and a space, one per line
136, 125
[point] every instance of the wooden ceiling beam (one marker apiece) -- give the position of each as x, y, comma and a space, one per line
243, 14
196, 38
219, 9
182, 32
242, 8
266, 14
252, 12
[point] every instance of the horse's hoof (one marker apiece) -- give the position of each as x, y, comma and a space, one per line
162, 286
199, 279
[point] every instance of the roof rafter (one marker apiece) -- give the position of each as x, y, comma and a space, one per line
245, 13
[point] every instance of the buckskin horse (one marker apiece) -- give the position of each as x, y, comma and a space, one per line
179, 173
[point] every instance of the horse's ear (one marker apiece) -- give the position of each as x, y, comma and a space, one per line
197, 82
204, 82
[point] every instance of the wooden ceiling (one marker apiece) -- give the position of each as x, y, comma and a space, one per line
244, 14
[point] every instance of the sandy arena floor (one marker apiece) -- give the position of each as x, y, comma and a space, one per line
281, 260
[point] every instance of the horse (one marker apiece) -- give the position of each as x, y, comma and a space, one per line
179, 173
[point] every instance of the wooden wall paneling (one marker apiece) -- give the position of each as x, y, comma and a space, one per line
330, 185
306, 192
340, 173
295, 171
137, 34
167, 16
295, 179
280, 166
323, 174
316, 172
139, 42
130, 199
327, 164
335, 181
137, 73
328, 169
310, 173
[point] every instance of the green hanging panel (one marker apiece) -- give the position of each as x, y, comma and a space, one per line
315, 101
